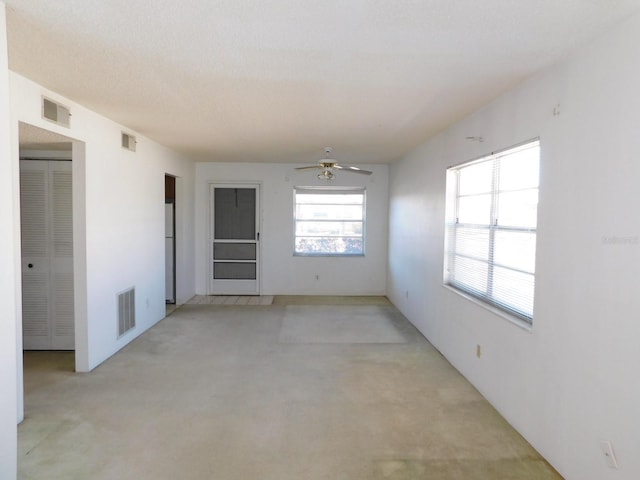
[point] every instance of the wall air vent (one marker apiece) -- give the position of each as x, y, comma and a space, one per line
55, 112
129, 142
126, 311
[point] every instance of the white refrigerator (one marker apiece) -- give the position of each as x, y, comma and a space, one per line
169, 246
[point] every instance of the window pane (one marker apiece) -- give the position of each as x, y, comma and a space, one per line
476, 178
518, 209
335, 245
475, 209
330, 229
472, 242
515, 249
470, 274
514, 290
332, 199
520, 170
491, 246
329, 212
329, 221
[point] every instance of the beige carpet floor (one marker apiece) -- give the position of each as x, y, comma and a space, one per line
268, 393
231, 300
341, 324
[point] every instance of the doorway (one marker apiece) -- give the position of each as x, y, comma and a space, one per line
234, 239
170, 238
46, 217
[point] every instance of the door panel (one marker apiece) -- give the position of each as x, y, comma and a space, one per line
234, 239
62, 334
234, 271
61, 276
35, 308
34, 205
234, 213
231, 251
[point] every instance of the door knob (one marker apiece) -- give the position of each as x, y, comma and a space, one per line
30, 265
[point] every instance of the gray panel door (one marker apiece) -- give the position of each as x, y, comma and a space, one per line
234, 239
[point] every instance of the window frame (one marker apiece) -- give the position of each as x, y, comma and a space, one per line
328, 190
486, 297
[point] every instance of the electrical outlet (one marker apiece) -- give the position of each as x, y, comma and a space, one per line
609, 456
478, 351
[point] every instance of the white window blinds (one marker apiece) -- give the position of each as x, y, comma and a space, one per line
491, 225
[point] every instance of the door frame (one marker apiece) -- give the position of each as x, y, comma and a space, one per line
78, 162
210, 233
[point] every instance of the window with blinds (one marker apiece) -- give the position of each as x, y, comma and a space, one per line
491, 220
329, 220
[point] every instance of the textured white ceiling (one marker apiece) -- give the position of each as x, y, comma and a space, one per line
257, 80
34, 138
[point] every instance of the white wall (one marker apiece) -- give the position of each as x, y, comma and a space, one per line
8, 352
573, 380
282, 273
118, 221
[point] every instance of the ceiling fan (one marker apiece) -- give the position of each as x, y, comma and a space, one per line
327, 165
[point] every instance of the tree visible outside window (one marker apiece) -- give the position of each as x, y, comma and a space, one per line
491, 222
329, 221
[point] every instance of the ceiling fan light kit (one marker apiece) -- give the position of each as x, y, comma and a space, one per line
326, 175
327, 165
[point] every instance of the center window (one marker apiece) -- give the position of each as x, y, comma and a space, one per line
329, 221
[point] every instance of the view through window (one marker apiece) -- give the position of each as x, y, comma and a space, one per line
329, 221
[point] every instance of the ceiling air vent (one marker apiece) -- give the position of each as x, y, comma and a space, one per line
55, 112
129, 142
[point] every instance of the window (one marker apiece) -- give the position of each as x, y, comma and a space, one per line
491, 221
329, 221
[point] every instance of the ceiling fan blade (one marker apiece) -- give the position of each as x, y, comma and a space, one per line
310, 167
353, 169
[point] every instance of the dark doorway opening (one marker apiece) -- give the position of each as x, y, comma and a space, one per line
170, 237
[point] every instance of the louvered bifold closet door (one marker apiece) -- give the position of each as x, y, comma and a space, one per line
47, 255
34, 205
60, 186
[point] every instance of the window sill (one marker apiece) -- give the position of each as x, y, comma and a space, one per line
496, 311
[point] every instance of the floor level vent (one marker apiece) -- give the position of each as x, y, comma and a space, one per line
126, 311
